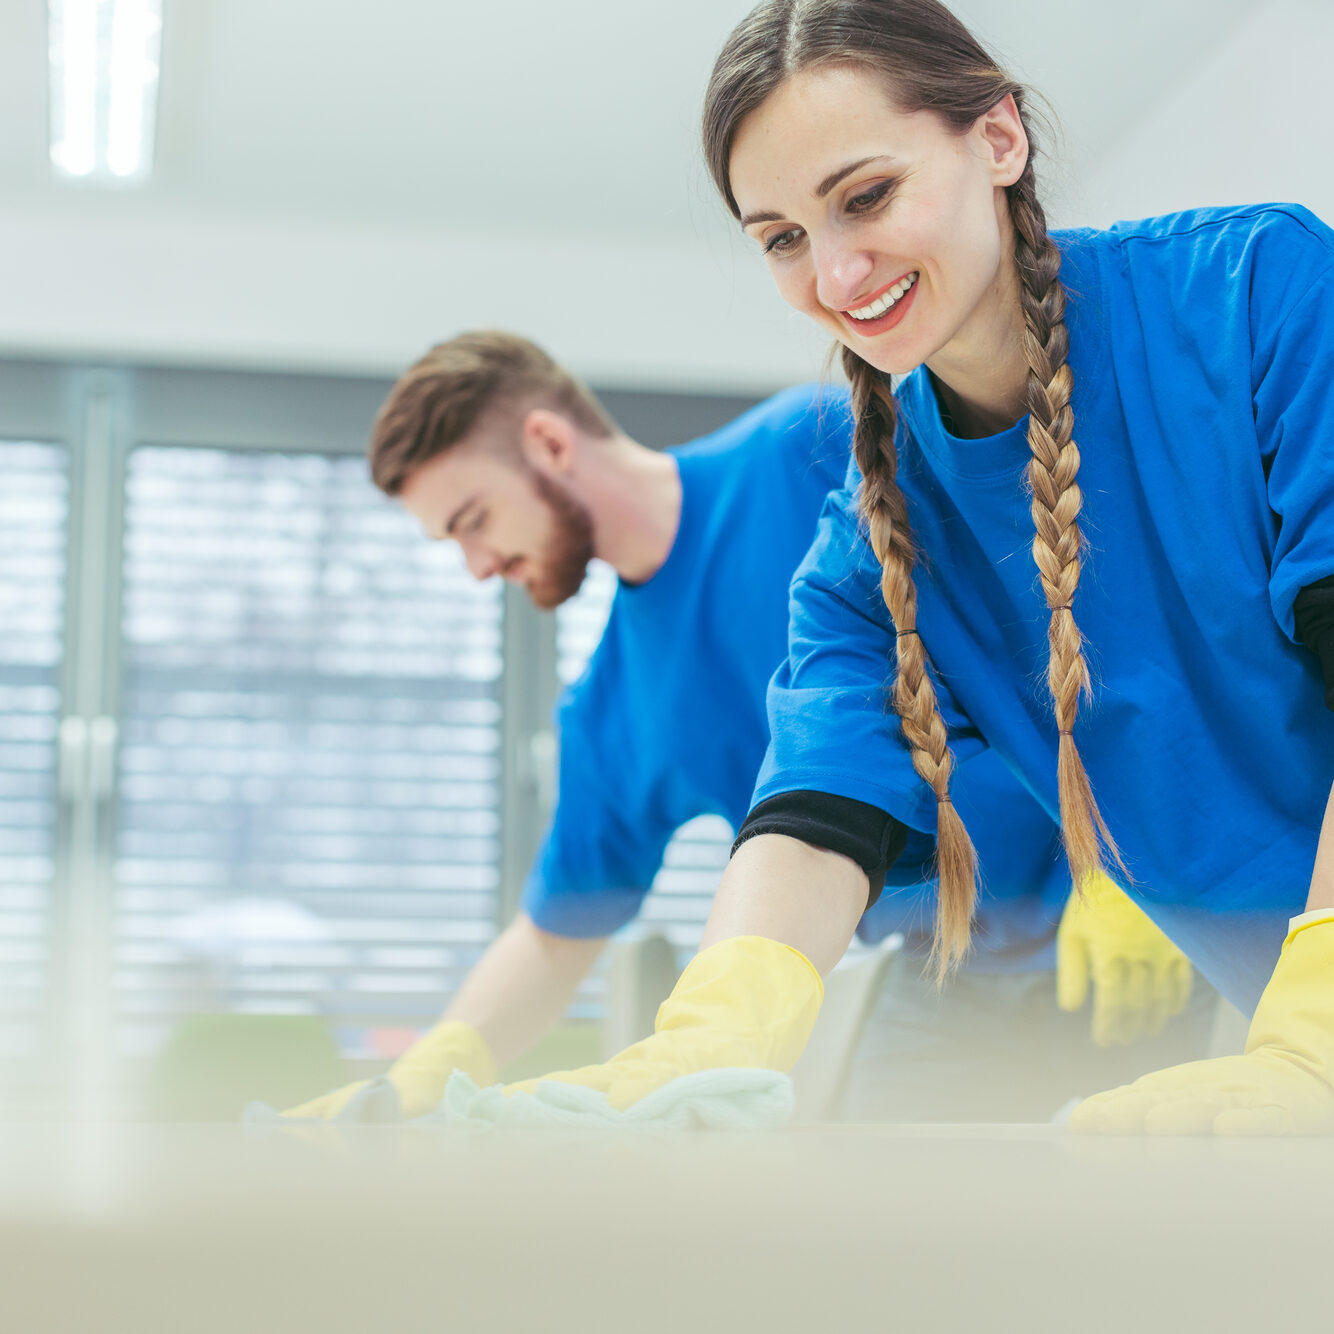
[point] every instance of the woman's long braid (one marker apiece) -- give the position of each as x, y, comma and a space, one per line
886, 515
1057, 499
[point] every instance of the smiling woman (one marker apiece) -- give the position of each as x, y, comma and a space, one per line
884, 164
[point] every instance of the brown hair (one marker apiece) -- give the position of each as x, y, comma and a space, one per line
933, 63
438, 401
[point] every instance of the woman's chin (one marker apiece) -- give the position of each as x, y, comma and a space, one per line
885, 361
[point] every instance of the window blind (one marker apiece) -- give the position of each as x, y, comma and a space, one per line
308, 785
34, 516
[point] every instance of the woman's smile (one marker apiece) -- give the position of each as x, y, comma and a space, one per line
886, 310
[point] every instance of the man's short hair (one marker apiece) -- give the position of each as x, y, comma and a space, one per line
438, 401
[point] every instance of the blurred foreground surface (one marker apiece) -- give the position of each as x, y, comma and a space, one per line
111, 1228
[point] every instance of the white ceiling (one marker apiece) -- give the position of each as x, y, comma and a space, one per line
487, 134
522, 117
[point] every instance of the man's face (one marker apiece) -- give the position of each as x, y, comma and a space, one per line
511, 518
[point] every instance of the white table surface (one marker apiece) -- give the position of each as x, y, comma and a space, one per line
195, 1229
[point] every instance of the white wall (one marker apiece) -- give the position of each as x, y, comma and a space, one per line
271, 294
1251, 122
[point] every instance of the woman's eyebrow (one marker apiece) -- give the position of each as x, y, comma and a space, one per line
821, 190
835, 176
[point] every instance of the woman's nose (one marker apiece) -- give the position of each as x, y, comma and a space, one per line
842, 273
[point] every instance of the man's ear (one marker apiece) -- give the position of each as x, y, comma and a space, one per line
547, 441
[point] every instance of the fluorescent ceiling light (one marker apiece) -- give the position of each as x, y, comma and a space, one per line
104, 83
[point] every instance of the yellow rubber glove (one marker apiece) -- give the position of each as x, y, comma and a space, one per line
748, 1001
1140, 979
420, 1074
1283, 1085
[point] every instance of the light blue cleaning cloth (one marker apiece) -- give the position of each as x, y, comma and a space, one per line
376, 1104
731, 1099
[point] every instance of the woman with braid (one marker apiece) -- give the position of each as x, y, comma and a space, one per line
1147, 411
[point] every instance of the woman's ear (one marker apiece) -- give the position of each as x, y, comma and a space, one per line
1003, 141
547, 441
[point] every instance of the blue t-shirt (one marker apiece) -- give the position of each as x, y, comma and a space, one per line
668, 720
1202, 348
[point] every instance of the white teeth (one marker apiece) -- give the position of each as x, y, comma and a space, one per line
883, 302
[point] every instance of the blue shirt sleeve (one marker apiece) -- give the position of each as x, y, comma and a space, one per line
1293, 314
832, 726
599, 857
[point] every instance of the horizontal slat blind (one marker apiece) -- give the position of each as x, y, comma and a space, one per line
34, 515
308, 813
683, 891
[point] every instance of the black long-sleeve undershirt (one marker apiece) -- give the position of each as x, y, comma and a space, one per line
1314, 610
870, 836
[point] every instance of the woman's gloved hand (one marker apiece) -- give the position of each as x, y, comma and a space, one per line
418, 1076
747, 1001
1139, 978
1282, 1085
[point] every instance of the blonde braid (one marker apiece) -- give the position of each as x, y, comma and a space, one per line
1056, 504
885, 512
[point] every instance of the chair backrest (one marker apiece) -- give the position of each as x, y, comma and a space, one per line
850, 991
641, 972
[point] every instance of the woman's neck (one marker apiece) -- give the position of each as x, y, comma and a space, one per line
974, 416
981, 375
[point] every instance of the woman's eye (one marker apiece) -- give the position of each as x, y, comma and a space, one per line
781, 243
478, 519
868, 199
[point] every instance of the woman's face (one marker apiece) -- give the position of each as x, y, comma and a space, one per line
889, 230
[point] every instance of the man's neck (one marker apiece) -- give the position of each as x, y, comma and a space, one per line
635, 497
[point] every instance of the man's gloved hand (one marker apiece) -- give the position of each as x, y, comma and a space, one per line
748, 1001
1283, 1085
1140, 979
418, 1076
